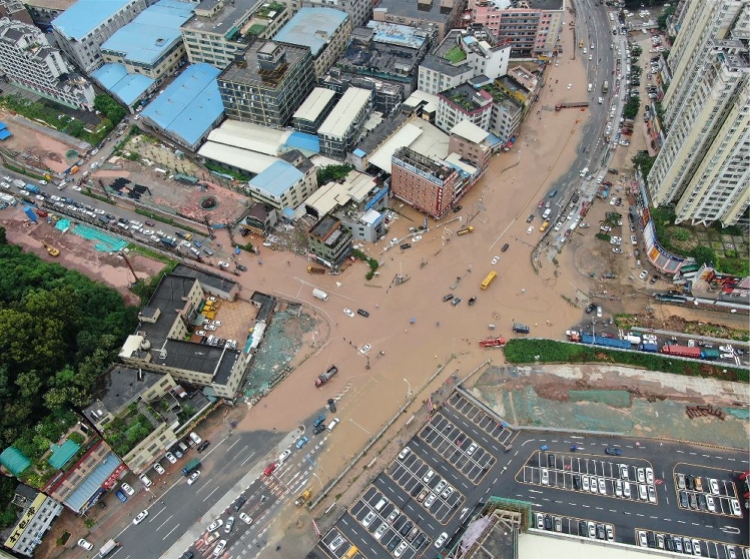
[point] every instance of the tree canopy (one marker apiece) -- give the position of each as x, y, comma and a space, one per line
59, 331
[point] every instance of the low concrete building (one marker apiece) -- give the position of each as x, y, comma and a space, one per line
159, 343
267, 20
325, 31
464, 103
359, 11
285, 185
329, 242
314, 110
443, 15
472, 144
340, 131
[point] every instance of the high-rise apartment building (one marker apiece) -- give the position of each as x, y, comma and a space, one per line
702, 167
28, 60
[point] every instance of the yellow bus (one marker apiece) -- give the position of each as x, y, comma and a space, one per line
489, 279
351, 553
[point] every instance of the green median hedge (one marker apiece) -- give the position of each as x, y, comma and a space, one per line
549, 351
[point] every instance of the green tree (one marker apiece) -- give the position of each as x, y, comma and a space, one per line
643, 160
704, 255
333, 173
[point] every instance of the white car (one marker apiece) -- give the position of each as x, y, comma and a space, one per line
220, 547
610, 532
618, 488
193, 477
246, 519
626, 490
714, 485
447, 492
641, 475
171, 458
495, 260
735, 504
283, 456
223, 265
472, 449
545, 476
159, 469
129, 490
228, 526
218, 523
144, 479
367, 520
642, 539
651, 494
380, 531
530, 230
649, 476
624, 472
643, 274
365, 349
88, 546
428, 476
400, 549
430, 500
585, 482
602, 486
710, 503
441, 539
141, 516
440, 486
349, 313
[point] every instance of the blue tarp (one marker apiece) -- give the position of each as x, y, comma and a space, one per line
5, 134
30, 214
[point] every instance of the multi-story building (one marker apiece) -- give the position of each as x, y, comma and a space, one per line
325, 31
151, 44
43, 12
314, 110
159, 343
340, 131
463, 55
37, 514
286, 183
267, 83
426, 184
359, 10
266, 21
329, 242
532, 28
702, 167
15, 10
81, 30
218, 30
28, 60
464, 103
443, 15
388, 94
472, 144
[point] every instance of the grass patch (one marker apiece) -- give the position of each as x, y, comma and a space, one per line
550, 351
148, 253
20, 170
603, 237
236, 175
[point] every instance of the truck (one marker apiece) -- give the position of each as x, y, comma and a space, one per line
325, 377
320, 294
74, 169
605, 342
578, 104
632, 338
303, 498
315, 270
191, 466
32, 188
605, 87
710, 354
492, 342
19, 184
650, 348
682, 351
519, 328
108, 547
168, 241
465, 230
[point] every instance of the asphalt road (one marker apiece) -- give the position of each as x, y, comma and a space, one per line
184, 506
444, 445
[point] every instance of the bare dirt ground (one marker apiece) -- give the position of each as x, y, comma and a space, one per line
77, 253
35, 148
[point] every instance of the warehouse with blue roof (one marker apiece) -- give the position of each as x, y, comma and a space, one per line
325, 31
127, 88
189, 108
152, 43
81, 30
284, 185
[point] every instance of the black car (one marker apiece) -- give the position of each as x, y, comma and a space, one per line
203, 446
577, 482
239, 502
241, 268
600, 533
187, 555
447, 297
150, 223
583, 529
109, 216
591, 308
319, 429
575, 198
419, 541
405, 246
669, 543
393, 543
651, 539
102, 504
505, 247
548, 522
613, 451
551, 460
702, 502
406, 528
689, 483
332, 405
472, 300
363, 312
457, 208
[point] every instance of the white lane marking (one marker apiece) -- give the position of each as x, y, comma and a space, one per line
168, 533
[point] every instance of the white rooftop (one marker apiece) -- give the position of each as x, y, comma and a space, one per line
432, 101
345, 112
332, 195
249, 161
314, 104
419, 135
470, 131
249, 136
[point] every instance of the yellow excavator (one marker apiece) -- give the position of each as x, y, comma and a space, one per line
51, 250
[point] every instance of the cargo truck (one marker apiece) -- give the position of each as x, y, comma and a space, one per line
682, 351
710, 354
32, 188
191, 466
320, 294
19, 183
108, 547
465, 230
328, 375
650, 348
633, 339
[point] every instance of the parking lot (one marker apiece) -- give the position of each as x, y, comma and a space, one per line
640, 492
706, 490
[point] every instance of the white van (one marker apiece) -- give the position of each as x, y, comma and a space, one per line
601, 100
381, 503
332, 424
195, 438
546, 213
591, 86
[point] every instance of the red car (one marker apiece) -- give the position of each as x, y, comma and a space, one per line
541, 203
269, 470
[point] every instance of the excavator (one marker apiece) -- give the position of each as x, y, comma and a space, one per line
51, 250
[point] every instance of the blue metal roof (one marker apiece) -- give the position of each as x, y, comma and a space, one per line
78, 498
5, 134
305, 142
149, 36
86, 15
277, 179
127, 87
302, 29
190, 105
